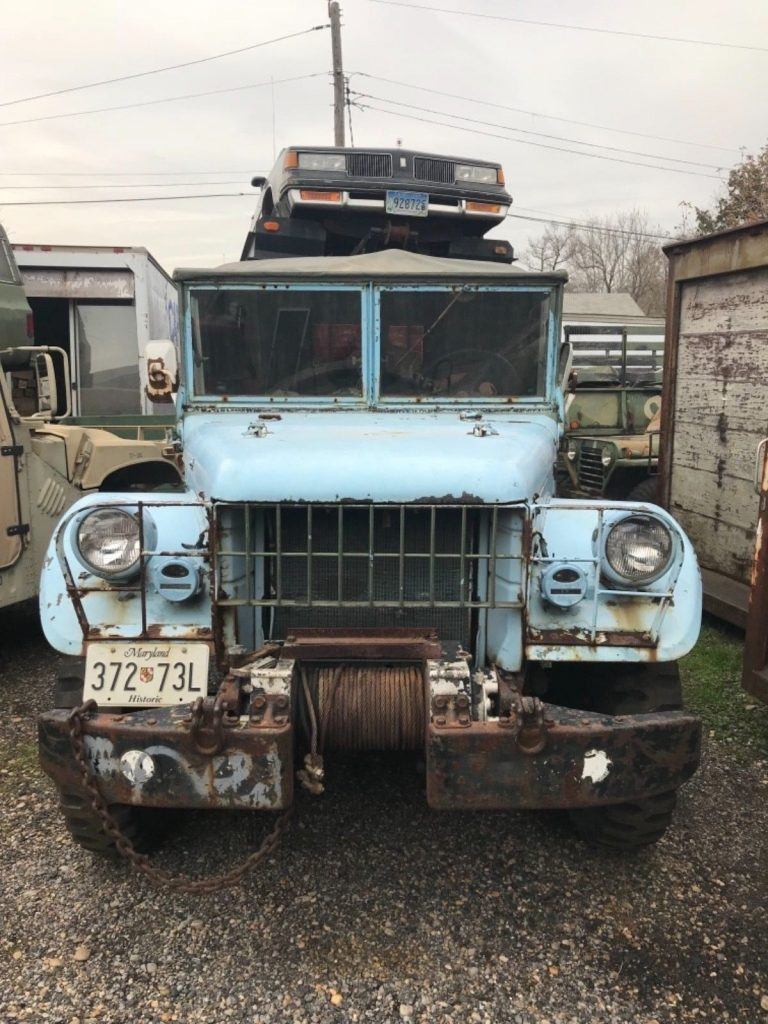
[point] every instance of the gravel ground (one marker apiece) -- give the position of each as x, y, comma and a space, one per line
376, 909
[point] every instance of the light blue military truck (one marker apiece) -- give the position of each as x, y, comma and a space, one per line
369, 555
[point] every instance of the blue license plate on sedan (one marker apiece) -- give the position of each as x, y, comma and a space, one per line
407, 204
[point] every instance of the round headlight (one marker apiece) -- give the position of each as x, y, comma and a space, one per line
638, 549
109, 541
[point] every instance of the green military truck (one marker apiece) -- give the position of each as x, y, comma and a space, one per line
612, 425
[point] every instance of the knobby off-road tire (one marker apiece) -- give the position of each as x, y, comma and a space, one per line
141, 825
636, 689
138, 824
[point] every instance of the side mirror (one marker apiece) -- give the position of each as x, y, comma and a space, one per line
162, 371
47, 392
258, 181
47, 388
566, 378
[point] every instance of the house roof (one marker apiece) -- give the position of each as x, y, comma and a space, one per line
610, 304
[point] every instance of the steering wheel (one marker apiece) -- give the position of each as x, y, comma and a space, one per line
474, 378
325, 371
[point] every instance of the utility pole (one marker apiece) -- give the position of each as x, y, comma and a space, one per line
338, 73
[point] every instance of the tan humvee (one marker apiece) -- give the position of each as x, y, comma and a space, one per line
47, 464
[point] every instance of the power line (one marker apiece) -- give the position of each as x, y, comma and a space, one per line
166, 99
591, 227
124, 199
233, 195
119, 184
157, 71
115, 174
549, 117
574, 28
540, 145
541, 135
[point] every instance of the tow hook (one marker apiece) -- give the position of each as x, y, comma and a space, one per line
526, 721
208, 736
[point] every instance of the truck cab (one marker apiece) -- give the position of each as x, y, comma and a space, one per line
369, 554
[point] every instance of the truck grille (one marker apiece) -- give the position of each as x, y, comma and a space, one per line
591, 470
366, 565
441, 171
369, 165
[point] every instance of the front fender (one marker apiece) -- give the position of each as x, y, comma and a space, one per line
658, 622
76, 605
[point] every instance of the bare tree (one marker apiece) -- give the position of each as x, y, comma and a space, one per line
611, 254
551, 251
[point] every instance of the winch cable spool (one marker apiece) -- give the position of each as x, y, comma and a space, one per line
365, 707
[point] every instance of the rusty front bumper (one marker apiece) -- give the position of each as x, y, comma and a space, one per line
154, 758
586, 760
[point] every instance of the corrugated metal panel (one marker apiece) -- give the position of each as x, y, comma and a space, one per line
50, 283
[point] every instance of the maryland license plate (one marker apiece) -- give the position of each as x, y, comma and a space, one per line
408, 204
145, 674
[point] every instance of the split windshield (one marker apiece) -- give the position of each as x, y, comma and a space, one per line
455, 342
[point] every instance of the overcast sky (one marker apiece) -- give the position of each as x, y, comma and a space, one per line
702, 96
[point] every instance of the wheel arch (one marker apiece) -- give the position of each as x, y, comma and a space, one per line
140, 476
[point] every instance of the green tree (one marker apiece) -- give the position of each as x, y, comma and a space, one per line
745, 199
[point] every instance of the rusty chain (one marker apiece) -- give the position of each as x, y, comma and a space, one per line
140, 861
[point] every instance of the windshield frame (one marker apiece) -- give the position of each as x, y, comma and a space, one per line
370, 306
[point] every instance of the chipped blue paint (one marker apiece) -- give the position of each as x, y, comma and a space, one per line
667, 611
359, 455
180, 520
400, 450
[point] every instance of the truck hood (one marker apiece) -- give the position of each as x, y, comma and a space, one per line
325, 456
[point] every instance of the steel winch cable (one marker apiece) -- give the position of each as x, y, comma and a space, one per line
365, 707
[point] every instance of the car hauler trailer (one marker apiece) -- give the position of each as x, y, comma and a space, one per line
369, 555
715, 402
102, 305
